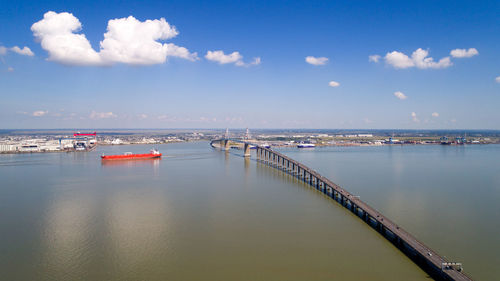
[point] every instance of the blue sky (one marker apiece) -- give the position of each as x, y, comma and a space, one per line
126, 79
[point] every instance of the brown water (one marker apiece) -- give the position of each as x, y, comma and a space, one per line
197, 214
446, 196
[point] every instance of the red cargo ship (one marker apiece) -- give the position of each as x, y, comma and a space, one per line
129, 156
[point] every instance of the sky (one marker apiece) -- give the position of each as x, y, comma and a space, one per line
256, 64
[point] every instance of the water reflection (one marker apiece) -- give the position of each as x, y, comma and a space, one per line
247, 167
132, 163
145, 163
67, 234
138, 222
267, 171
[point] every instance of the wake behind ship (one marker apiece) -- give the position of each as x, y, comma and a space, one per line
153, 154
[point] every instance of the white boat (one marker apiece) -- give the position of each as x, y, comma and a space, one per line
306, 145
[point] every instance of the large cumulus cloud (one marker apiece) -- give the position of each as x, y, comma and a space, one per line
127, 40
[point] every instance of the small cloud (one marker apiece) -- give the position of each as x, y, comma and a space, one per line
400, 95
234, 57
419, 59
10, 69
142, 116
316, 60
497, 79
40, 113
414, 117
102, 115
333, 84
367, 121
221, 58
435, 114
373, 58
398, 60
463, 53
24, 51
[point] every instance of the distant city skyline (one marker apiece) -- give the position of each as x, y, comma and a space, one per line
259, 64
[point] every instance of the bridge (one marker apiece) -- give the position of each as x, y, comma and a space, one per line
223, 143
432, 263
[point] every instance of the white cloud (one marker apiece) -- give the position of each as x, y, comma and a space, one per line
398, 60
414, 117
10, 69
55, 33
180, 52
418, 59
221, 58
400, 95
463, 53
316, 60
374, 58
127, 40
142, 116
497, 79
333, 84
102, 115
40, 113
435, 114
24, 51
234, 57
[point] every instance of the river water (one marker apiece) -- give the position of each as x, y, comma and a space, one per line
202, 214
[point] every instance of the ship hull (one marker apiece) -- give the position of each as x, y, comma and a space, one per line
130, 157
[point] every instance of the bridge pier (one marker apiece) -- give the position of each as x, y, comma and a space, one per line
224, 144
246, 150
